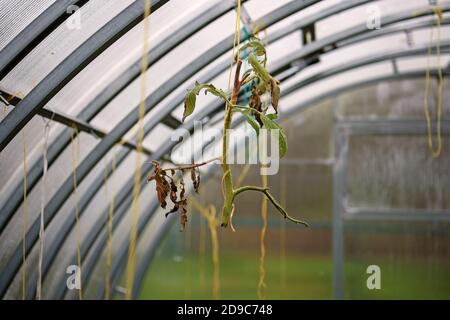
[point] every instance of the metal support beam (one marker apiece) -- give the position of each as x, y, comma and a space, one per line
71, 122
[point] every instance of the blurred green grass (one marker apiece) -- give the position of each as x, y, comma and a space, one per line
306, 277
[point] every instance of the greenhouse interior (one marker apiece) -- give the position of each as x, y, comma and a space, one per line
224, 149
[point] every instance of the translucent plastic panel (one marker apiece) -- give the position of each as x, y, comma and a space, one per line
15, 15
412, 256
378, 175
314, 90
393, 99
59, 44
308, 12
259, 8
121, 238
29, 142
94, 213
119, 57
11, 237
421, 62
166, 68
361, 14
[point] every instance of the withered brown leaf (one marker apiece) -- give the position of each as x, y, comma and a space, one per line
255, 103
275, 94
162, 185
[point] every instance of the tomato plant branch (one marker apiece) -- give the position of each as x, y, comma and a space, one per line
266, 192
227, 181
193, 166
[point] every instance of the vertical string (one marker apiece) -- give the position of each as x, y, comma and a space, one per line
283, 233
209, 214
137, 174
187, 251
24, 225
111, 200
42, 214
435, 151
75, 156
262, 271
236, 41
212, 223
202, 252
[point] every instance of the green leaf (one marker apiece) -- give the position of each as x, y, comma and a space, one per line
191, 97
258, 68
189, 104
272, 125
252, 122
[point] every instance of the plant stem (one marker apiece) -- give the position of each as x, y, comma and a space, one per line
227, 178
266, 192
195, 165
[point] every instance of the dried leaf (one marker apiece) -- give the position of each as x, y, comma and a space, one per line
183, 213
255, 103
197, 183
275, 93
174, 209
162, 185
173, 192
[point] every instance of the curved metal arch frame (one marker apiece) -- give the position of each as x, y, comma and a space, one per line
102, 100
89, 162
60, 76
71, 66
106, 96
147, 259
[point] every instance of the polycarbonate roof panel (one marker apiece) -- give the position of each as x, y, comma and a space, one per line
164, 69
259, 8
122, 54
16, 15
362, 14
59, 44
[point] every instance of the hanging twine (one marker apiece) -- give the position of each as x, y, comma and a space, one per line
436, 151
75, 156
108, 257
262, 248
283, 197
24, 225
42, 214
137, 173
210, 215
